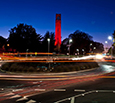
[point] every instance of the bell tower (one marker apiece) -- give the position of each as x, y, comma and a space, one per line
58, 32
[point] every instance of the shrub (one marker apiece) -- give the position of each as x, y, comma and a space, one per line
31, 69
42, 67
5, 66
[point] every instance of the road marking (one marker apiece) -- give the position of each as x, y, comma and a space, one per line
74, 97
31, 101
89, 92
60, 90
24, 98
96, 91
104, 90
83, 94
79, 90
72, 100
40, 89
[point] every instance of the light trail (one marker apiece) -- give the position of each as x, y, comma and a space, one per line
51, 61
25, 53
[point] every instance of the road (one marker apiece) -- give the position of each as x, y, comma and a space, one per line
51, 88
105, 85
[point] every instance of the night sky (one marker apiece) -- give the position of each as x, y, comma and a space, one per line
95, 17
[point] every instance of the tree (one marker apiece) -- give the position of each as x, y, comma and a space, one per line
80, 40
113, 49
99, 47
2, 41
64, 48
114, 35
24, 37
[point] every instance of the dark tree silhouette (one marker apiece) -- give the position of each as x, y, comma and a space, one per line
113, 48
24, 37
80, 40
64, 46
114, 34
114, 39
2, 41
99, 47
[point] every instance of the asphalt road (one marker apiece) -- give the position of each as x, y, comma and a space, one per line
103, 84
15, 91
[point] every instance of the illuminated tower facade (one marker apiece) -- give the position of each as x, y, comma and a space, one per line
58, 31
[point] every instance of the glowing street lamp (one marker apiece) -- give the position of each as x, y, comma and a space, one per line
70, 40
94, 48
110, 37
83, 51
48, 39
77, 51
90, 44
48, 45
106, 42
91, 47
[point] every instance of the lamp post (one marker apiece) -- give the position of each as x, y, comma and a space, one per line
48, 49
90, 47
83, 51
77, 51
106, 48
106, 42
70, 40
90, 44
94, 49
110, 38
8, 45
48, 45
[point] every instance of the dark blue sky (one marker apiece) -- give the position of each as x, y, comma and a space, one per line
95, 17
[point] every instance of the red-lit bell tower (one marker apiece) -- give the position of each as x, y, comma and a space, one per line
58, 31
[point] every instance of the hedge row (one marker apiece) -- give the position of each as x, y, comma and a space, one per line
47, 67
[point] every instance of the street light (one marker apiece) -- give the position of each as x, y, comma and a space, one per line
110, 38
90, 44
77, 51
83, 51
70, 40
91, 48
48, 39
94, 48
106, 42
48, 45
106, 48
